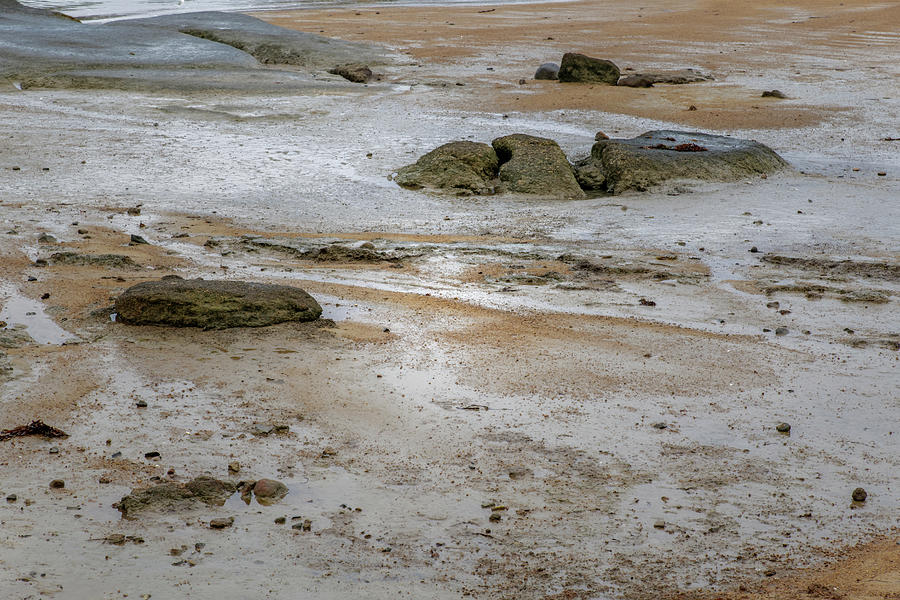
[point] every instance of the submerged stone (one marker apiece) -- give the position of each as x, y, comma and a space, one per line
214, 304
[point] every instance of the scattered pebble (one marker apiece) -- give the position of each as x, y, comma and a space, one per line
781, 331
659, 425
234, 467
660, 524
141, 404
280, 520
754, 249
153, 454
57, 484
859, 495
783, 428
221, 523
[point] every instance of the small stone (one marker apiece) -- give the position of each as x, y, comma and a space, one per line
141, 404
781, 331
57, 484
152, 454
769, 573
521, 82
104, 480
754, 249
136, 239
600, 136
783, 428
221, 523
773, 94
772, 305
495, 516
280, 520
659, 425
234, 467
659, 524
116, 539
859, 495
882, 173
134, 211
12, 498
305, 525
54, 450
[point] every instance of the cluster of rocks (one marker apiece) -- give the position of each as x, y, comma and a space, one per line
525, 164
578, 68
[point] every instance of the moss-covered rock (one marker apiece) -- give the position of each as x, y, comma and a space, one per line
578, 68
462, 167
214, 304
619, 165
535, 165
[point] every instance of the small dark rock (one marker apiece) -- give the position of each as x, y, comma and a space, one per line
136, 239
859, 495
773, 94
754, 249
549, 71
280, 520
153, 454
659, 425
221, 523
141, 404
781, 331
783, 428
57, 484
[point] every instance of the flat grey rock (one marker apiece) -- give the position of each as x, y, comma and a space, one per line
268, 43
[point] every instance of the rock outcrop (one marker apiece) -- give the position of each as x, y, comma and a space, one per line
535, 165
462, 167
213, 304
619, 165
578, 68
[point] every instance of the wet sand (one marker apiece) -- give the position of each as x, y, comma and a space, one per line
499, 355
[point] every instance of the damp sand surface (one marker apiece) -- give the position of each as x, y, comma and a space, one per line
604, 375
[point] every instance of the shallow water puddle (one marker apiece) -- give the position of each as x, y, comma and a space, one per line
20, 310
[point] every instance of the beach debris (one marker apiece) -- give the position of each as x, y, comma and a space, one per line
578, 68
548, 71
33, 428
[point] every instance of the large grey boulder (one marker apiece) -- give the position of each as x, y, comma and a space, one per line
619, 165
578, 68
213, 304
535, 165
463, 167
268, 43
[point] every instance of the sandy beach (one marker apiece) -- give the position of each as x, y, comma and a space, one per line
507, 396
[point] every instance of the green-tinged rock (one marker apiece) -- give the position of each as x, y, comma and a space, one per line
534, 165
213, 304
462, 167
578, 68
640, 163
